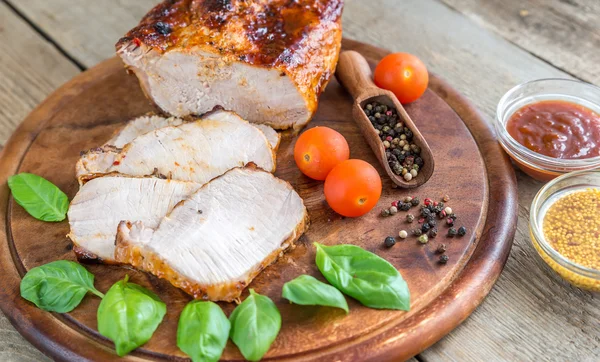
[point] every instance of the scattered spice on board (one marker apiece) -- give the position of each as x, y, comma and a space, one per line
403, 155
572, 227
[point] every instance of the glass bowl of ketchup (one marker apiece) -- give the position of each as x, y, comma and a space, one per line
550, 127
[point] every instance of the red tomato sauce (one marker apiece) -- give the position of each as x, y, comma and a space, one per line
557, 129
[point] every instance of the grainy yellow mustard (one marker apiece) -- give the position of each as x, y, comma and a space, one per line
572, 227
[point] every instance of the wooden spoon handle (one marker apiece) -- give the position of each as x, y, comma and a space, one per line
354, 73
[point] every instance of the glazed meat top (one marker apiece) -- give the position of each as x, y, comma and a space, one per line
259, 32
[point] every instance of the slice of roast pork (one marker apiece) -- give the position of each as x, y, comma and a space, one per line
103, 202
144, 124
266, 60
196, 151
215, 242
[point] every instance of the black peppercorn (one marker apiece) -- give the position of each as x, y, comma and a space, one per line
410, 218
452, 232
405, 206
390, 241
433, 233
417, 232
425, 227
432, 223
441, 249
462, 231
425, 211
415, 201
443, 259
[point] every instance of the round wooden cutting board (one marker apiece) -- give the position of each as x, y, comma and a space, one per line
470, 168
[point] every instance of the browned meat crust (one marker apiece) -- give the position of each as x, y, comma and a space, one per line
301, 38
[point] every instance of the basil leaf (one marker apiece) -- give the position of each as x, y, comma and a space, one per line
254, 325
364, 276
39, 197
203, 331
128, 315
58, 286
307, 290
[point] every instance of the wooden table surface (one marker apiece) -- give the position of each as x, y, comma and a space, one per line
482, 47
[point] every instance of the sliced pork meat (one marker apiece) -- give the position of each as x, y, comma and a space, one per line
268, 60
196, 151
142, 125
215, 242
272, 136
103, 202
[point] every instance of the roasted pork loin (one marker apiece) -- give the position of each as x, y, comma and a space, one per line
267, 60
195, 151
103, 202
216, 241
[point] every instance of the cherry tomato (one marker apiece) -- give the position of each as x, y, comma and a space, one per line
404, 75
353, 188
318, 150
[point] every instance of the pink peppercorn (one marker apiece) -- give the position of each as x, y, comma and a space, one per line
389, 138
388, 113
395, 203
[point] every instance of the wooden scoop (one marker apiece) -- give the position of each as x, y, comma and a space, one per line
354, 73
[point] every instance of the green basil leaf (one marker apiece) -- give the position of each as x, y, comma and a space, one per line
307, 290
58, 286
254, 325
203, 331
39, 197
128, 315
364, 276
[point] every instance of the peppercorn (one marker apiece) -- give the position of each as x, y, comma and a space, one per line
395, 203
425, 211
415, 201
417, 232
393, 210
408, 176
432, 223
442, 214
389, 241
462, 231
425, 227
427, 202
448, 210
441, 249
450, 221
433, 233
423, 239
446, 198
402, 234
410, 218
405, 206
452, 232
444, 259
385, 212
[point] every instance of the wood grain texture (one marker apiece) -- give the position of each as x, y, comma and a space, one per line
520, 319
86, 29
30, 68
564, 33
49, 141
25, 81
482, 65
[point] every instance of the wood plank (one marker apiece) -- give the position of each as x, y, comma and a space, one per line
564, 33
530, 314
529, 306
30, 68
86, 29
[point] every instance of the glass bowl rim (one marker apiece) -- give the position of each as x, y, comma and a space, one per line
539, 235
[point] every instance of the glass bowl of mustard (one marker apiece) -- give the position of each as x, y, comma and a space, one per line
550, 127
565, 227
